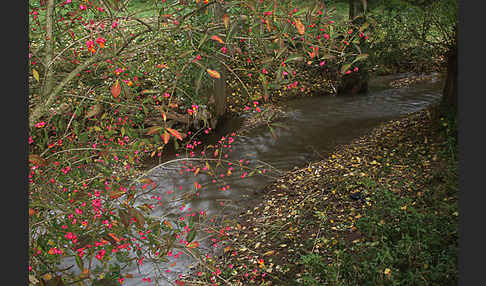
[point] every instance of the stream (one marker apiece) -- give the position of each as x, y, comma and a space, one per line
314, 127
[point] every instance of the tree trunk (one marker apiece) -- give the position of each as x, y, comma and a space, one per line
48, 75
356, 9
351, 10
449, 94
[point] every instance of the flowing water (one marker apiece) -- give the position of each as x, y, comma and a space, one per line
313, 128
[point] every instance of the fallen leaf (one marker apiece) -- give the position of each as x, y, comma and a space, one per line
35, 74
268, 253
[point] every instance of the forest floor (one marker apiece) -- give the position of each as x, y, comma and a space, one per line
380, 211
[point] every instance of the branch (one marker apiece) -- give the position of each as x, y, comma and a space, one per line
43, 107
182, 18
48, 82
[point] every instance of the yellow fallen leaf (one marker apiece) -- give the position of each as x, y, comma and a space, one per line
270, 252
35, 74
47, 276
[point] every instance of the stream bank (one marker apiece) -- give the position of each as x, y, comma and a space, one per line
337, 120
381, 209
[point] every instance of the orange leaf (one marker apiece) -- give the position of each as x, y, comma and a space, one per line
31, 212
193, 244
268, 26
217, 39
226, 20
213, 73
116, 89
116, 194
146, 180
300, 27
166, 137
114, 237
174, 133
168, 224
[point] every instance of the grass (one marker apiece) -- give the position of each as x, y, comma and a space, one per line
407, 238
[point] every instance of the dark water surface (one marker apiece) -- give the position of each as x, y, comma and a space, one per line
314, 127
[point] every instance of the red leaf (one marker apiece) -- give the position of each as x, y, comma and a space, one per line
174, 133
116, 89
165, 137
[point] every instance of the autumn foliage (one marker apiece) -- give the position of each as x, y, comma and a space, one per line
110, 86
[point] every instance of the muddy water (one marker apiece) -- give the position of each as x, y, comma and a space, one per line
313, 128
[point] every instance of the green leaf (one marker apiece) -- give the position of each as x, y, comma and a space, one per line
360, 57
204, 38
364, 26
281, 52
79, 262
198, 81
191, 235
154, 129
294, 58
327, 57
345, 68
184, 54
272, 132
